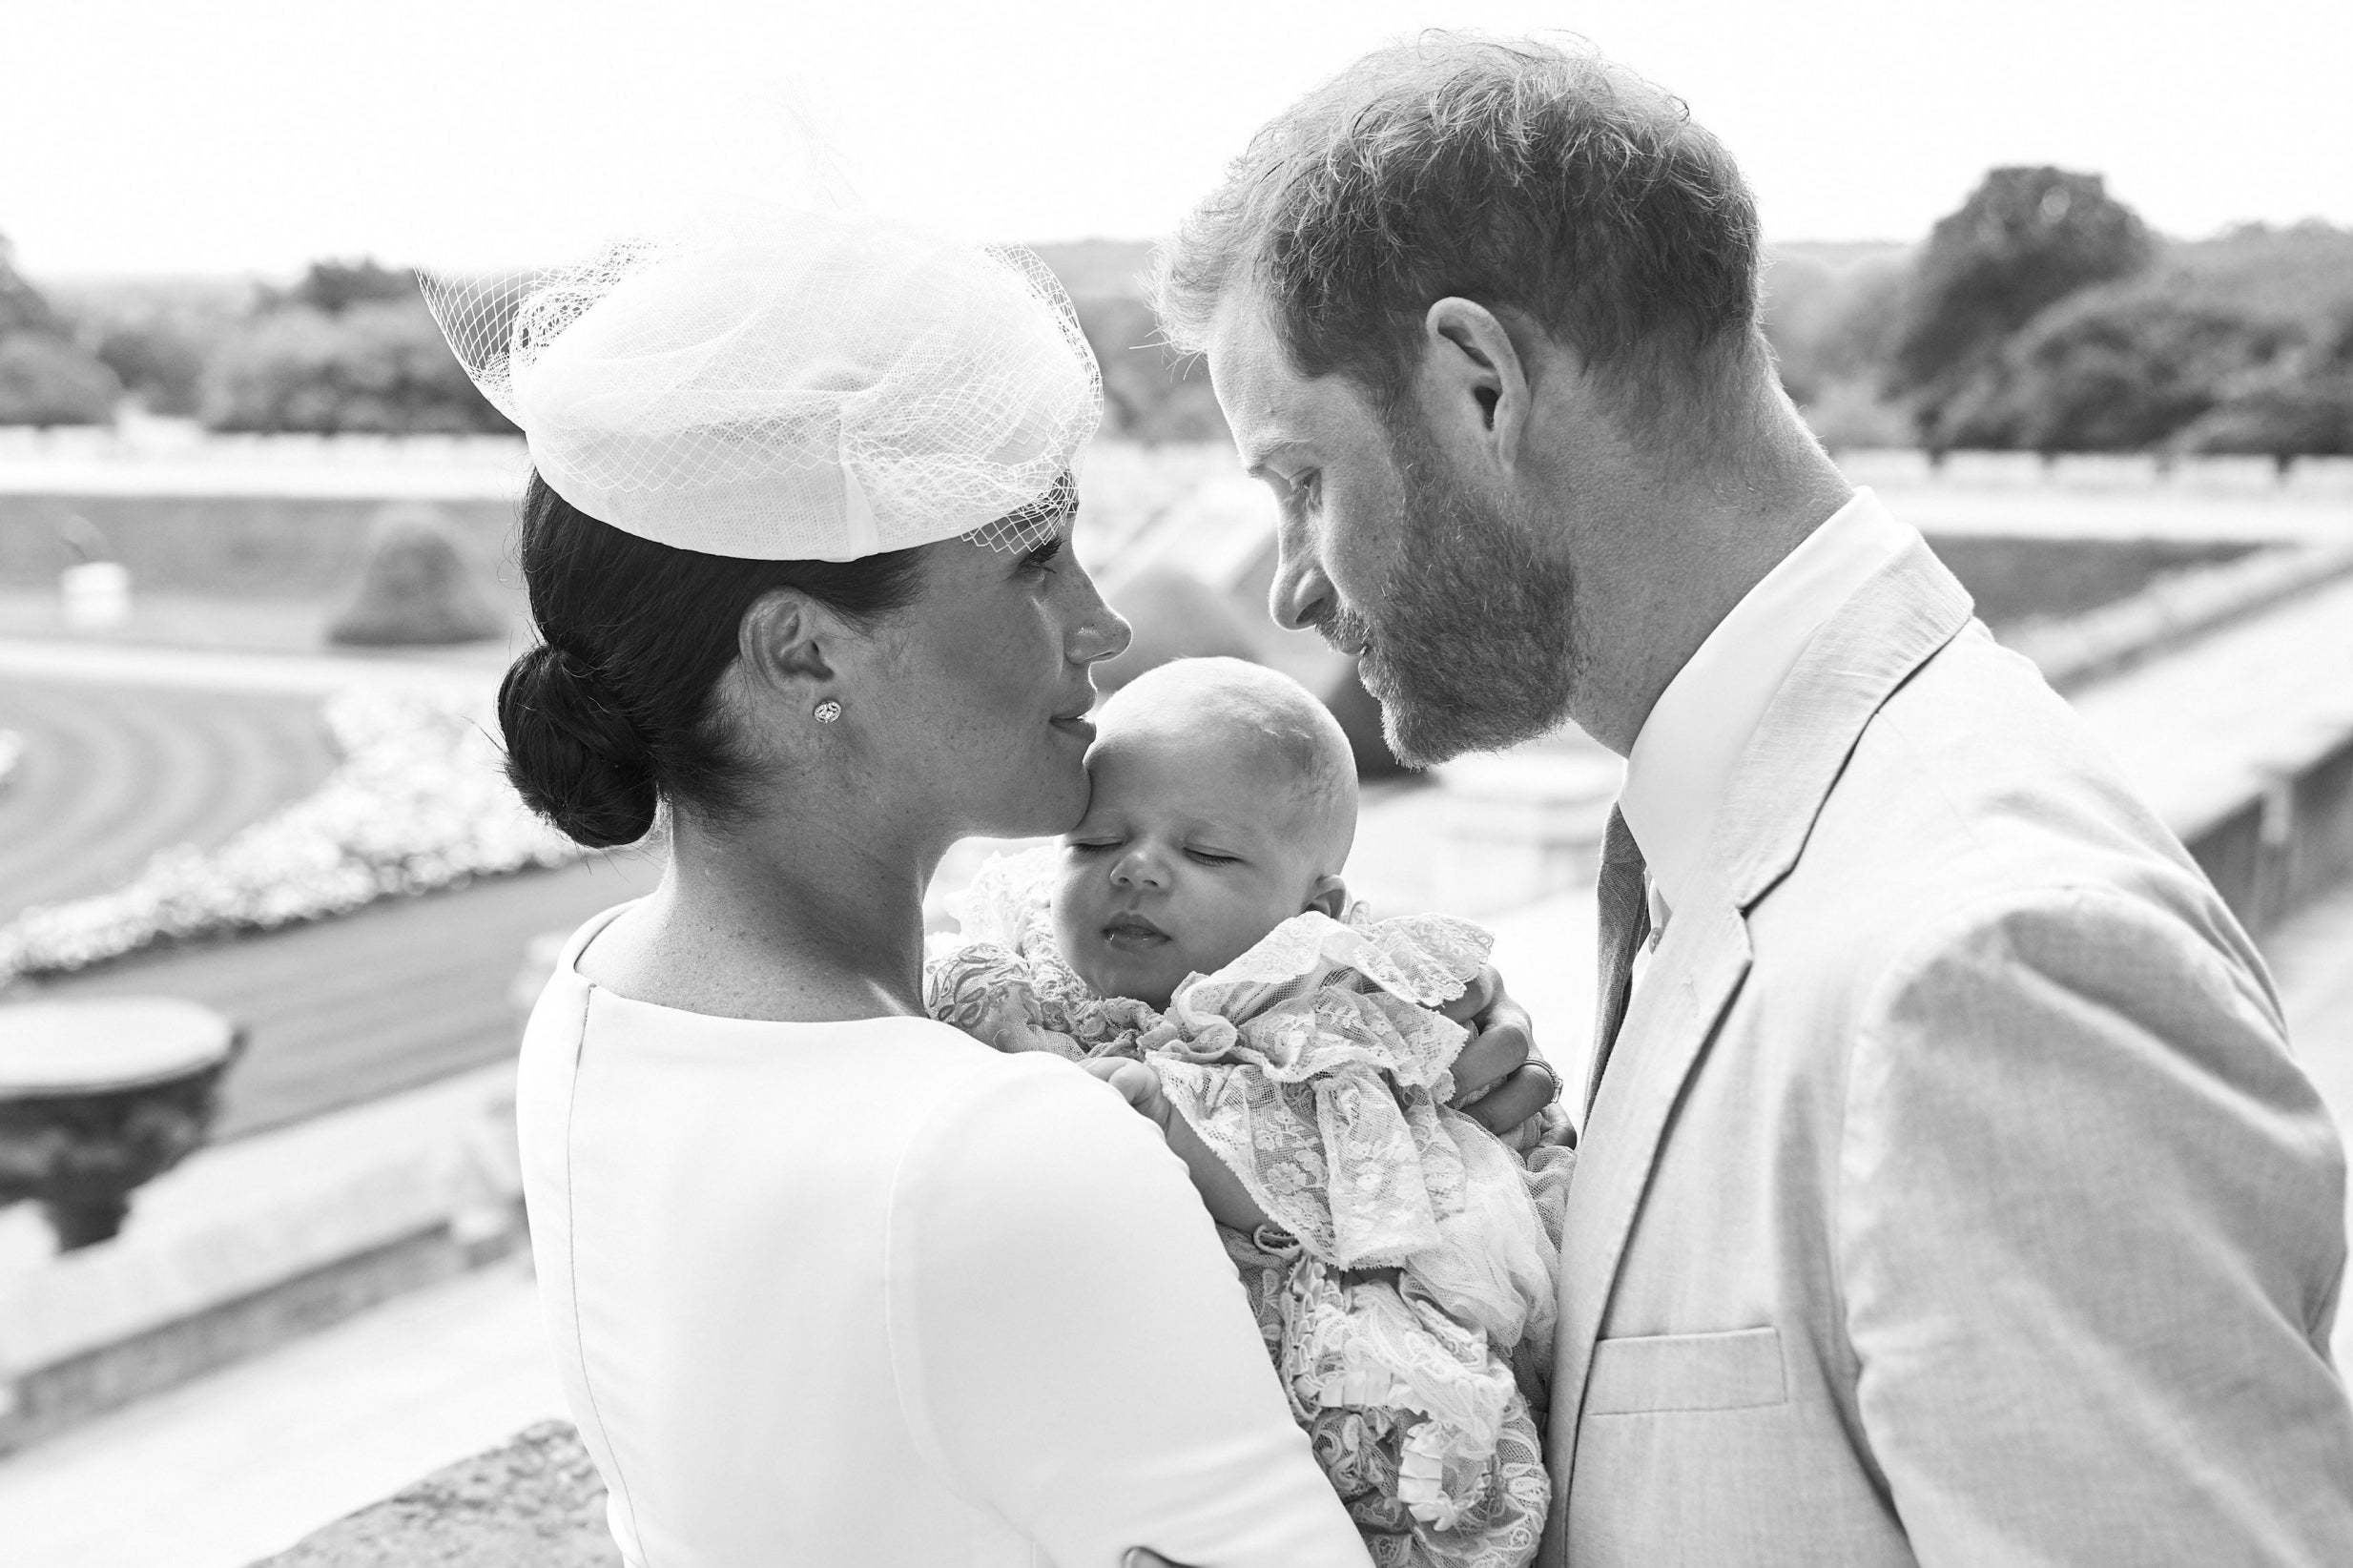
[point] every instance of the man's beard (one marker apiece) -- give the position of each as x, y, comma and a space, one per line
1468, 646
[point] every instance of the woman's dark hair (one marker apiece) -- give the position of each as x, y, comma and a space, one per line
611, 712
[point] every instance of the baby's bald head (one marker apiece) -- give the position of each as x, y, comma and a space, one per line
1235, 711
1222, 802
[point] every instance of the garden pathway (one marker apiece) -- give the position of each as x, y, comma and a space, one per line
130, 750
2196, 730
106, 779
399, 993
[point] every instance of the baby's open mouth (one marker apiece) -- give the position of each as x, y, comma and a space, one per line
1133, 931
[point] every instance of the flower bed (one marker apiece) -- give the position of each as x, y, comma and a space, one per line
419, 802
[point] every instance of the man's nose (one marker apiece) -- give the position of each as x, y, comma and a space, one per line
1302, 595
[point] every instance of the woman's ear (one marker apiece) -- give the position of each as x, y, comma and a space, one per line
1329, 897
789, 646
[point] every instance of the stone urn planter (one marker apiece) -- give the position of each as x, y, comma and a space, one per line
100, 1096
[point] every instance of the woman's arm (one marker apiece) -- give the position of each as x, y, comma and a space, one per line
1072, 1347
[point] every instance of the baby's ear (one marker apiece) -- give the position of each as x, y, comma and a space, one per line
1329, 896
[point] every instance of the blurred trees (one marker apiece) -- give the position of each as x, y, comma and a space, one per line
1149, 393
45, 376
333, 287
22, 308
1831, 314
2026, 239
2219, 348
2109, 371
2044, 317
350, 347
2041, 315
379, 367
48, 380
160, 362
2297, 404
157, 335
1831, 318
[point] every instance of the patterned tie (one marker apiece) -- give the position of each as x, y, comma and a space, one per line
1622, 890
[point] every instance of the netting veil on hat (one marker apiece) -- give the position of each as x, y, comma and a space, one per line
790, 385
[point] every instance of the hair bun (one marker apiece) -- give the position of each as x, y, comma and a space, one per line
572, 751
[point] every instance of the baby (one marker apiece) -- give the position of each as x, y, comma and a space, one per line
1224, 803
1195, 924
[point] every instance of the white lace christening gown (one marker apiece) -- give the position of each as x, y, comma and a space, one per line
1406, 1286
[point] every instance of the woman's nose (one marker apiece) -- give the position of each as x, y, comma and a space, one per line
1302, 595
1099, 633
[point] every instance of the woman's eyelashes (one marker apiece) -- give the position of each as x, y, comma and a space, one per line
1043, 556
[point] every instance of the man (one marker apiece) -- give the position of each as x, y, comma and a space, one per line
1947, 1192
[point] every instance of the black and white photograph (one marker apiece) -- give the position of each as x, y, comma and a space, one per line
1458, 784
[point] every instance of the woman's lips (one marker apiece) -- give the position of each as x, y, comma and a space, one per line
1079, 729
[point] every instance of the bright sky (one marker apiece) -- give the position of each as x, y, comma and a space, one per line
254, 134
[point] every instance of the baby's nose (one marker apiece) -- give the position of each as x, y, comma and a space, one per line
1138, 868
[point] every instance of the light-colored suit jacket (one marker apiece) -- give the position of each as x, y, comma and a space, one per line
1950, 1195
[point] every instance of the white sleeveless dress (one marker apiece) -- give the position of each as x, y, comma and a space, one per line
870, 1292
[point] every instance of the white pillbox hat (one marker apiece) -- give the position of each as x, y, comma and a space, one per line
781, 383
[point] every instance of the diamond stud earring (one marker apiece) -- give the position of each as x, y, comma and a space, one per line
827, 711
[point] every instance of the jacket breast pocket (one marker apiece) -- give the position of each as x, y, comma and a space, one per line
1740, 1369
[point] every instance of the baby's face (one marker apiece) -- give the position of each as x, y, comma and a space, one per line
1192, 848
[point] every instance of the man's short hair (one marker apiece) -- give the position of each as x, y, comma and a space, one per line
1521, 175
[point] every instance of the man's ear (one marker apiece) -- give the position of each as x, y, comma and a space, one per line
1329, 896
1475, 382
789, 646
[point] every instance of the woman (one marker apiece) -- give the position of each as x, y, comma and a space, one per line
828, 1282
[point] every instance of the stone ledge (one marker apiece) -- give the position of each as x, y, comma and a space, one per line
260, 1239
2173, 610
534, 1500
2273, 851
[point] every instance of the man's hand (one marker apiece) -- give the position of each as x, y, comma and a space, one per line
1500, 1081
1229, 1202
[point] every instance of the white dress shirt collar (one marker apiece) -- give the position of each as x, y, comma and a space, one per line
1682, 765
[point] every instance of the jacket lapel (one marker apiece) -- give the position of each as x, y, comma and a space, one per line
1890, 626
